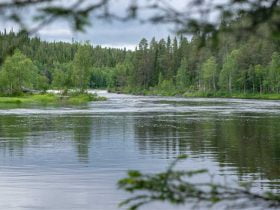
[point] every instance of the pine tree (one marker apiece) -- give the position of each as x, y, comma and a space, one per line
183, 77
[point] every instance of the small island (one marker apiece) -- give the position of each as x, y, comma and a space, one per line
22, 82
51, 98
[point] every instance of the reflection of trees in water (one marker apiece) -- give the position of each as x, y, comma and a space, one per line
13, 131
170, 136
100, 129
82, 128
250, 144
16, 133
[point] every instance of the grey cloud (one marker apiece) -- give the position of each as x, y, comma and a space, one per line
120, 34
115, 34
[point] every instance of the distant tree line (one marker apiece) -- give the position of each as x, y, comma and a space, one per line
178, 187
246, 64
41, 65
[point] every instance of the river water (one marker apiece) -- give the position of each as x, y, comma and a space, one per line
71, 157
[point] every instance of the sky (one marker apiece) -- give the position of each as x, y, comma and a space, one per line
116, 34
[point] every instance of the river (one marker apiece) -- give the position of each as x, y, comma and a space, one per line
71, 157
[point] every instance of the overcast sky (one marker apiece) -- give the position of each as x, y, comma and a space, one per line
106, 34
115, 34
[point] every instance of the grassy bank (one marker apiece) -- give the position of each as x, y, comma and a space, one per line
266, 96
174, 92
74, 98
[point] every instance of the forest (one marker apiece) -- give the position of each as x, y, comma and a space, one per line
64, 152
178, 65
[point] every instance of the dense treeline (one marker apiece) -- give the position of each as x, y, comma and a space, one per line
244, 64
41, 65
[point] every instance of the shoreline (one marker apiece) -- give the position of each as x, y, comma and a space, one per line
237, 95
51, 98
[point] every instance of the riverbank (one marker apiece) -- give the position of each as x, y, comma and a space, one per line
198, 94
267, 96
51, 98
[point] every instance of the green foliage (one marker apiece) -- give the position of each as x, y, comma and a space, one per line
166, 87
41, 82
225, 94
17, 74
71, 98
209, 74
81, 67
100, 77
142, 72
228, 71
29, 99
260, 73
61, 76
243, 67
183, 77
274, 73
178, 188
120, 75
54, 60
78, 98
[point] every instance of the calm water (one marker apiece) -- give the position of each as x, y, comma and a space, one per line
70, 158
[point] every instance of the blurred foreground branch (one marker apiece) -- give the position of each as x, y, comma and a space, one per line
175, 187
204, 18
191, 16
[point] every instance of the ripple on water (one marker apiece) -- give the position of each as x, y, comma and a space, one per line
71, 158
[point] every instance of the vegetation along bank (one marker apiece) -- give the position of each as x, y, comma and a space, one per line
247, 67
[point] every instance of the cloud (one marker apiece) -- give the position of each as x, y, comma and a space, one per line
55, 32
128, 33
114, 34
111, 34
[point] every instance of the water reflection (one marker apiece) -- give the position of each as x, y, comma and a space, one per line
249, 143
81, 152
82, 132
13, 132
17, 133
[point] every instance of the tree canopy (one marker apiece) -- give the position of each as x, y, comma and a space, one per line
18, 72
170, 66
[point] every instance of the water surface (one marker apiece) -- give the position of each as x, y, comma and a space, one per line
71, 157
